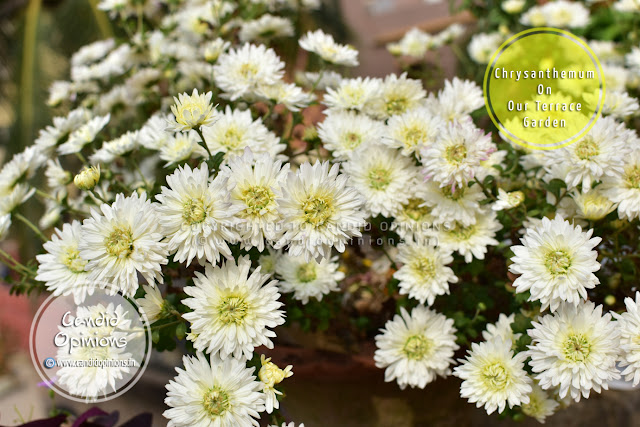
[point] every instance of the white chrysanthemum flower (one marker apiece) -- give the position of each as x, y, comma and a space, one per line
285, 424
493, 376
472, 240
618, 104
461, 205
414, 220
197, 215
319, 211
513, 6
507, 200
382, 175
265, 28
599, 153
241, 71
83, 135
287, 94
94, 381
326, 48
625, 189
121, 240
501, 329
556, 263
270, 375
254, 183
182, 147
629, 325
115, 148
236, 130
575, 349
566, 14
540, 405
152, 304
224, 393
592, 205
416, 348
308, 278
62, 268
192, 111
353, 94
344, 131
411, 131
414, 43
456, 100
397, 95
455, 157
424, 274
233, 312
483, 45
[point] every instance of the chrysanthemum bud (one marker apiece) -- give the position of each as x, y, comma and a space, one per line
87, 178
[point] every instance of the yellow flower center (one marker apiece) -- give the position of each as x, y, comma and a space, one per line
462, 233
257, 199
215, 401
352, 140
379, 178
307, 273
417, 347
397, 105
454, 195
248, 70
232, 309
71, 258
495, 376
194, 211
576, 348
414, 135
455, 154
317, 210
557, 262
232, 138
425, 267
586, 148
633, 177
120, 242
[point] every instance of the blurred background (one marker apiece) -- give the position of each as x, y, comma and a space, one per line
37, 37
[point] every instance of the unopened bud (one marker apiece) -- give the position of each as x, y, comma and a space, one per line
87, 178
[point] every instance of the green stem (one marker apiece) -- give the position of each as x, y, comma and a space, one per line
137, 168
31, 226
204, 142
17, 266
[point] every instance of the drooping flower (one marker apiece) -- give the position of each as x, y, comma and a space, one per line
308, 278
